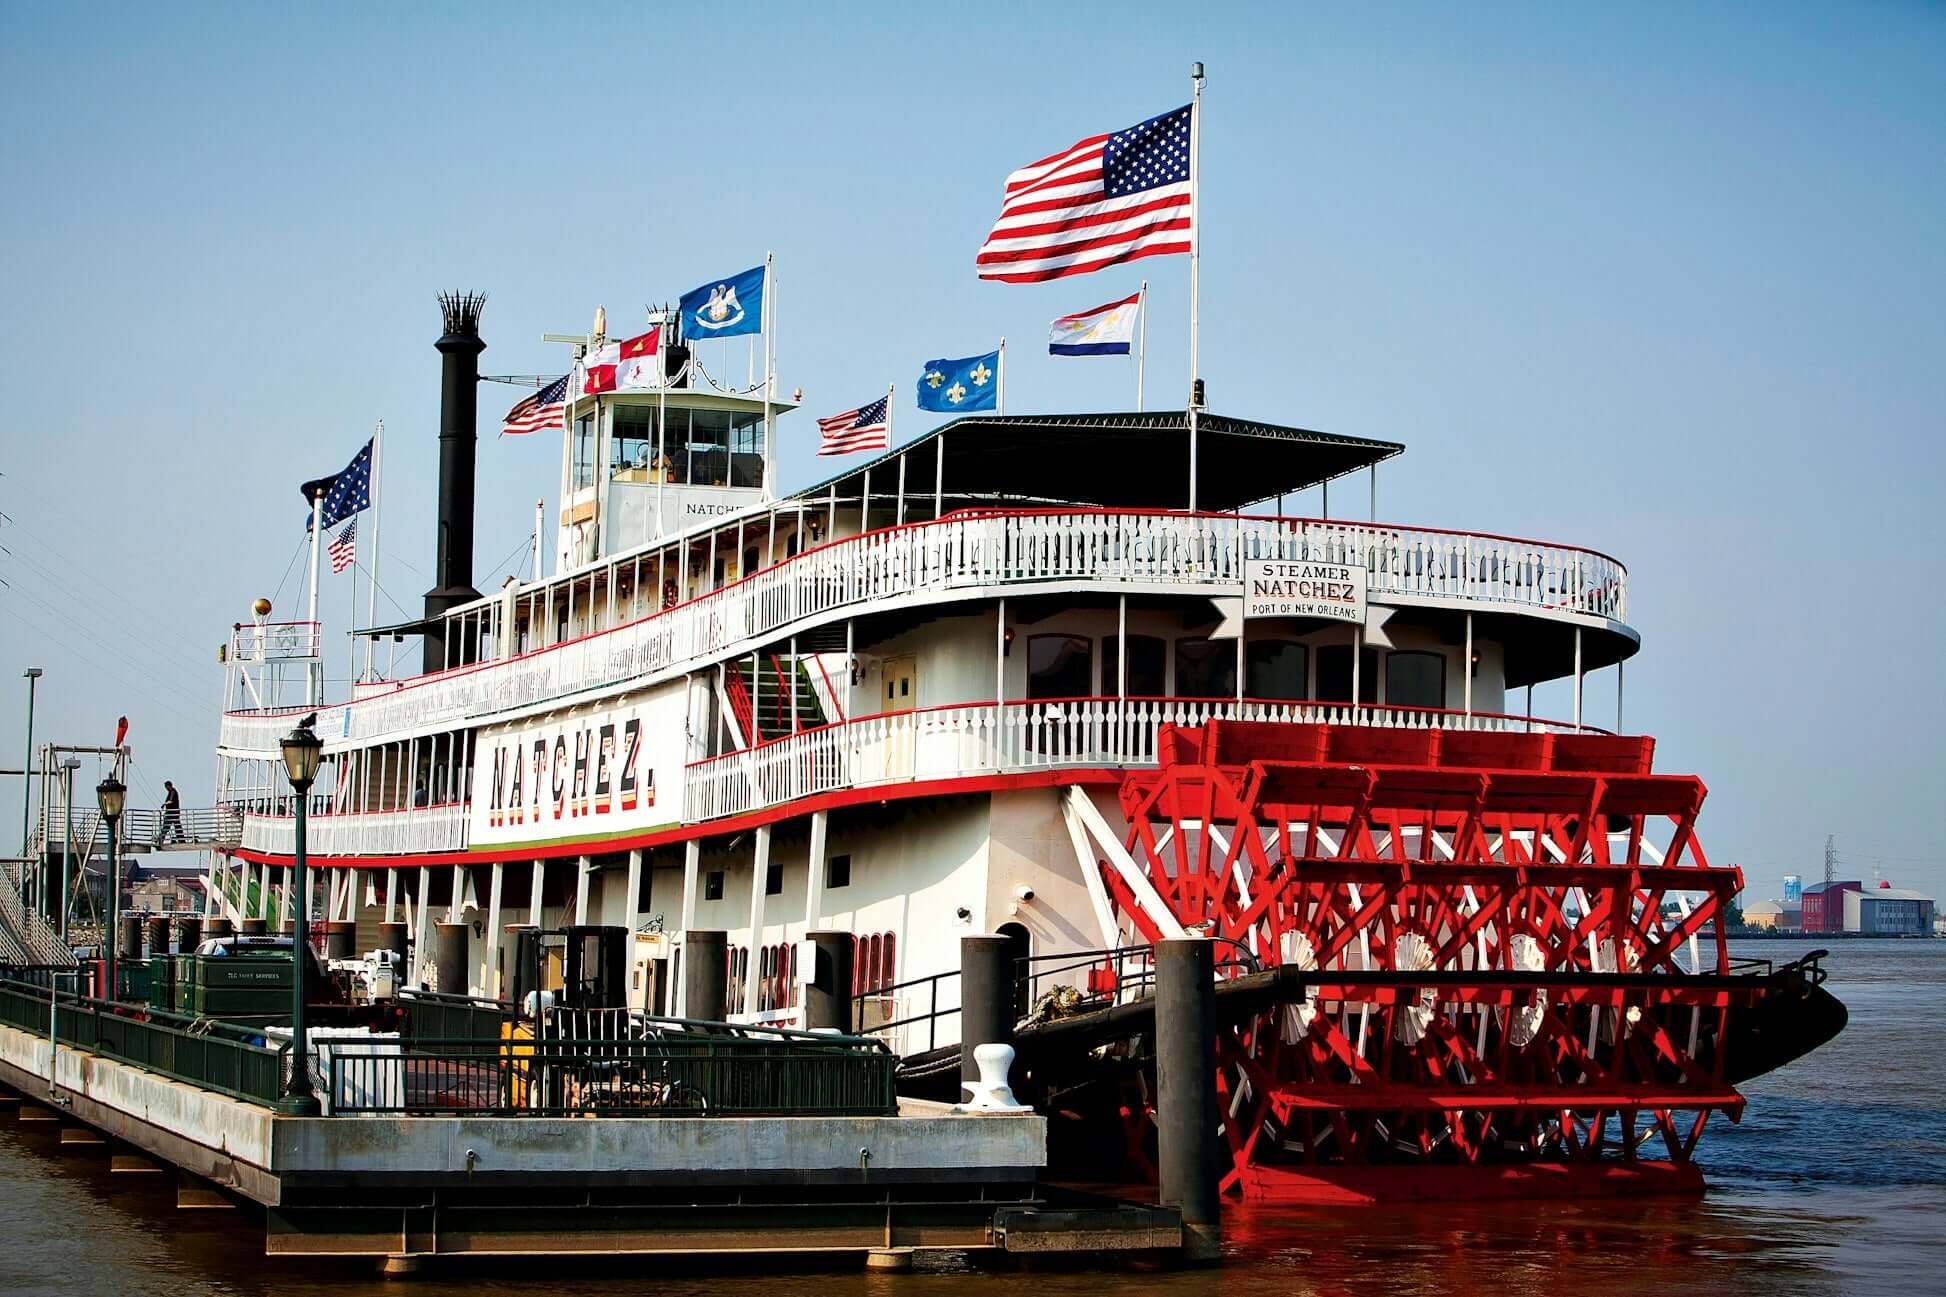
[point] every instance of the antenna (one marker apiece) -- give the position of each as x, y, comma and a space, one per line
1830, 858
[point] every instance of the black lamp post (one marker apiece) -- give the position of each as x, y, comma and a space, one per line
302, 751
111, 797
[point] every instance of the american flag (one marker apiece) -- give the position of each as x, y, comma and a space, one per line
344, 547
538, 412
865, 428
1105, 200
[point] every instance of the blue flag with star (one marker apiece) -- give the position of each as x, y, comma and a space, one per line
724, 308
956, 386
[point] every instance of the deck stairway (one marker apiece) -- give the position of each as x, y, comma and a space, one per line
27, 940
763, 705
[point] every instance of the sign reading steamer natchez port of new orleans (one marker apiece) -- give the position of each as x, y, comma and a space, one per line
1277, 587
595, 772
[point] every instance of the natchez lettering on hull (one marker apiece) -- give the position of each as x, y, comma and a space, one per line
593, 772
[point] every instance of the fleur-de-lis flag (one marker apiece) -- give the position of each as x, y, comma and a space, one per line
960, 386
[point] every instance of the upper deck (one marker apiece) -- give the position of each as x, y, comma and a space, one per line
973, 555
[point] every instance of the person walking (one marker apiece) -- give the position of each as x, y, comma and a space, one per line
171, 814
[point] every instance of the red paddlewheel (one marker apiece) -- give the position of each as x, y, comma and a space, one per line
1540, 881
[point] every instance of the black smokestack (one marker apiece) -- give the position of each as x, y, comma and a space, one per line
459, 408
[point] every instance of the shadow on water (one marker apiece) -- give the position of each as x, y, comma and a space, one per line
1834, 1183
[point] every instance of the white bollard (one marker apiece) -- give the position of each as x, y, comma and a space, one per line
991, 1093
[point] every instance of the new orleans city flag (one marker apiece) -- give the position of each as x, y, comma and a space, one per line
956, 386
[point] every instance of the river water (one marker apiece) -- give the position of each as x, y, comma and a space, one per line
1834, 1183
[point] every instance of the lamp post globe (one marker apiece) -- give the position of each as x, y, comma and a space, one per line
302, 751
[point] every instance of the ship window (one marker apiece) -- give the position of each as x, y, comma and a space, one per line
1415, 679
584, 450
837, 871
1147, 666
713, 885
1060, 666
1206, 668
747, 450
1276, 669
773, 880
708, 447
631, 445
1334, 674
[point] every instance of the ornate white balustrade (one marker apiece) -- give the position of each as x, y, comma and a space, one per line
984, 739
940, 743
414, 831
965, 551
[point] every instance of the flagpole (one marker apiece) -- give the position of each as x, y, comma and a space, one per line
1000, 381
770, 368
1141, 340
316, 690
371, 575
891, 391
1195, 238
662, 429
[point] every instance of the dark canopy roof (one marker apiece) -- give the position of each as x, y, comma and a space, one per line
1115, 460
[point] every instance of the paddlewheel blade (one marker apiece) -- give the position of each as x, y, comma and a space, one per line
1549, 888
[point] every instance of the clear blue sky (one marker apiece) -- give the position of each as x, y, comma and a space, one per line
1668, 281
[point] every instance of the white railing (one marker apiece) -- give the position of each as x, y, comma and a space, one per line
274, 641
1196, 553
415, 831
985, 738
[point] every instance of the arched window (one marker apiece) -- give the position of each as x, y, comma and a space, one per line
1415, 679
1334, 674
1206, 668
1147, 667
1276, 668
1060, 666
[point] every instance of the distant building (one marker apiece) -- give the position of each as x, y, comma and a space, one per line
1763, 914
1888, 912
1824, 906
1793, 891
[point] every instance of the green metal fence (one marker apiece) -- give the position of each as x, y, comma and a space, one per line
430, 1016
669, 1074
214, 1055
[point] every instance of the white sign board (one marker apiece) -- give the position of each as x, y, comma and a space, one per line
1278, 587
593, 773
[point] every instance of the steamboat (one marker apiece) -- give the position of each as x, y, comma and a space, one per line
1012, 678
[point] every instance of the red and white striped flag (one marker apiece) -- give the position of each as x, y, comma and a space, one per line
1103, 201
866, 428
344, 546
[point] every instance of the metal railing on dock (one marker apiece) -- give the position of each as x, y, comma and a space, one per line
202, 1051
665, 1073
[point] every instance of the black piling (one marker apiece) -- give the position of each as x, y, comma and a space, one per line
448, 959
189, 935
253, 928
827, 991
986, 998
158, 936
705, 973
1186, 1108
392, 937
341, 942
